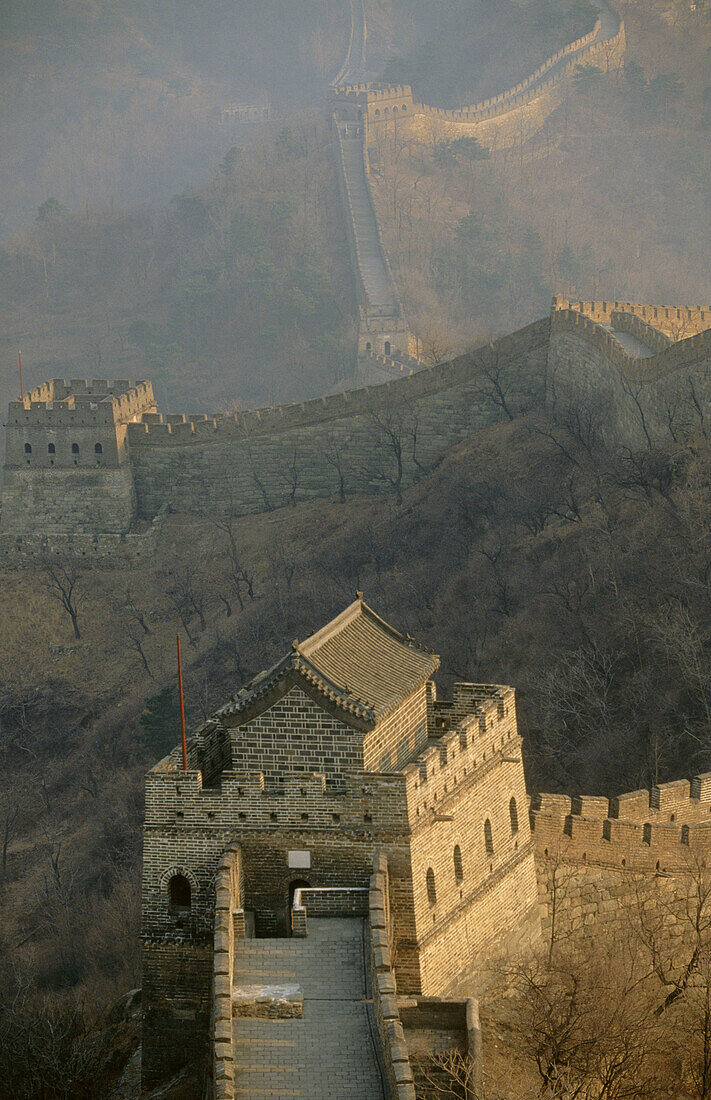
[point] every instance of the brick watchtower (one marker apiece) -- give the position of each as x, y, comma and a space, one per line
67, 474
338, 749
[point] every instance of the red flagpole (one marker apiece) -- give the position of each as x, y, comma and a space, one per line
22, 388
182, 708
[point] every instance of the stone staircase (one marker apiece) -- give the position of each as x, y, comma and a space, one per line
377, 281
327, 1053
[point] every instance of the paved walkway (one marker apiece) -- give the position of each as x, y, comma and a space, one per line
630, 343
379, 288
329, 1053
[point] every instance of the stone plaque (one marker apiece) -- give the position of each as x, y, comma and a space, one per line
301, 860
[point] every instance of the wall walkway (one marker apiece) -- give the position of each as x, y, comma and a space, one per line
329, 1052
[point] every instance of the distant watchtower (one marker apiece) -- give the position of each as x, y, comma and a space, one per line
67, 475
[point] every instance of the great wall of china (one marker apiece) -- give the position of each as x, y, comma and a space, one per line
361, 107
64, 490
89, 472
395, 872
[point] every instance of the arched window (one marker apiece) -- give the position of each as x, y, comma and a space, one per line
387, 347
488, 838
51, 449
98, 449
75, 448
685, 834
458, 868
647, 833
28, 448
179, 892
513, 814
368, 347
431, 891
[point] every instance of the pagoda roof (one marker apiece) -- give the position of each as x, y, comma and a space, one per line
357, 663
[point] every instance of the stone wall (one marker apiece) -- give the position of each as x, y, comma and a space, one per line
600, 862
466, 905
637, 402
229, 925
383, 984
176, 1005
249, 463
674, 321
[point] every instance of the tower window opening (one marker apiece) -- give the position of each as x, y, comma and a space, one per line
75, 448
51, 449
431, 889
98, 449
458, 867
488, 838
513, 814
28, 448
179, 892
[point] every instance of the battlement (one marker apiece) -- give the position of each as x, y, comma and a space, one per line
504, 100
588, 49
468, 734
673, 321
680, 353
666, 828
177, 429
80, 403
300, 801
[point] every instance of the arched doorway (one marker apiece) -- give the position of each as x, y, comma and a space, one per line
297, 884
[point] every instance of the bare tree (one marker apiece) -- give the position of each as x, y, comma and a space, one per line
242, 579
62, 578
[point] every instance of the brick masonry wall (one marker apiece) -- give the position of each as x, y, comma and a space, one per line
394, 741
634, 400
598, 861
383, 984
244, 463
176, 1006
470, 777
296, 734
229, 923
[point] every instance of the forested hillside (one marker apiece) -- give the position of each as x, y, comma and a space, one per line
610, 199
237, 293
532, 555
106, 102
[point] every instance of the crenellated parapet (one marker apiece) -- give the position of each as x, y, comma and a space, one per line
666, 828
673, 321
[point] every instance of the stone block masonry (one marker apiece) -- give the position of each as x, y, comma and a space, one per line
634, 401
598, 861
65, 495
263, 459
432, 790
67, 478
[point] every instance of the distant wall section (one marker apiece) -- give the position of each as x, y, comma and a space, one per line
639, 402
264, 459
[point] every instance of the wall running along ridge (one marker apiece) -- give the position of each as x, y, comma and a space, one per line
638, 402
249, 463
600, 862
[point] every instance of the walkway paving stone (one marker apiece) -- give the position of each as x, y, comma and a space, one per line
327, 1054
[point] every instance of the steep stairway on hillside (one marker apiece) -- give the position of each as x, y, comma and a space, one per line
379, 288
327, 1054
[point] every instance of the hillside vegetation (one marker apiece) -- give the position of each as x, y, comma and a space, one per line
238, 292
532, 554
611, 199
121, 102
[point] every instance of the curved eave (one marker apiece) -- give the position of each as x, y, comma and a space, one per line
291, 672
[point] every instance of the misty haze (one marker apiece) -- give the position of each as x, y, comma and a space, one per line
355, 549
